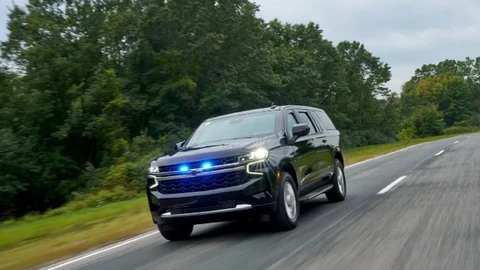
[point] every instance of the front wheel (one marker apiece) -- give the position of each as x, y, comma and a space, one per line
339, 190
288, 209
174, 232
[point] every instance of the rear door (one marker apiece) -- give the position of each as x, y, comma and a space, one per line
330, 140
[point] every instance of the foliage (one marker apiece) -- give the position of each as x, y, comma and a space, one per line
407, 133
461, 129
454, 86
352, 138
424, 122
94, 199
450, 93
18, 167
474, 120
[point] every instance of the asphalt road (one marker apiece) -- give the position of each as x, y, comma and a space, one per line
428, 218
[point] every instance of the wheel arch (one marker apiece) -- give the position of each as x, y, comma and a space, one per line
339, 156
287, 166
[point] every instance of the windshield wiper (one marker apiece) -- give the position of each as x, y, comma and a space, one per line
241, 138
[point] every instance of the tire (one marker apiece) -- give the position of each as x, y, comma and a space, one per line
175, 232
339, 190
288, 207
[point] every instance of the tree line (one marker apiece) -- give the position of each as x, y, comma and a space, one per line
90, 90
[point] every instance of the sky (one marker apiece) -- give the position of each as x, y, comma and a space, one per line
405, 34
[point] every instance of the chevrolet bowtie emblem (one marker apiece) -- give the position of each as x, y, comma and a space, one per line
194, 171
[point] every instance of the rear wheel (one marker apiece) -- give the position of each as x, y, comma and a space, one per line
175, 232
288, 208
339, 190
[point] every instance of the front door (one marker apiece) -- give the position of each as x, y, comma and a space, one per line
305, 157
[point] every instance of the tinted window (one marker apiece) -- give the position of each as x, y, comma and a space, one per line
326, 122
304, 118
290, 122
235, 127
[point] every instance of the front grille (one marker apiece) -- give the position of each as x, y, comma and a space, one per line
202, 183
198, 164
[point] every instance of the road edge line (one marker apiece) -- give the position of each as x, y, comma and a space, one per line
99, 251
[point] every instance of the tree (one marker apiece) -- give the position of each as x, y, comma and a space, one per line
425, 121
449, 93
308, 67
369, 102
468, 70
101, 85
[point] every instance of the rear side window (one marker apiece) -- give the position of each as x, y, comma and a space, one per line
304, 118
326, 122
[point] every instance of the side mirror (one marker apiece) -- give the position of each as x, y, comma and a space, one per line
179, 145
299, 130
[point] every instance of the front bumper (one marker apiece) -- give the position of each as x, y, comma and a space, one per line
256, 196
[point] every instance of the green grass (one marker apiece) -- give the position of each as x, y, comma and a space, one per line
27, 243
40, 239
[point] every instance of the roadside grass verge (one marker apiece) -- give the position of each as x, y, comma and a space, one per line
35, 241
355, 155
25, 243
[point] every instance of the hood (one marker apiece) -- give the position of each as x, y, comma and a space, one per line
215, 150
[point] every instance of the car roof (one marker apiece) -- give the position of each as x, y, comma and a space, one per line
269, 109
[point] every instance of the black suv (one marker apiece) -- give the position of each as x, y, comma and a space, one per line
257, 163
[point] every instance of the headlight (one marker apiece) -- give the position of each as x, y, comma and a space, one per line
257, 158
260, 153
153, 167
153, 170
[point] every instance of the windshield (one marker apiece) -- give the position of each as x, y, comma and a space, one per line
235, 127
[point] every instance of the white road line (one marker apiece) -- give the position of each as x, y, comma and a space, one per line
101, 251
469, 137
456, 141
387, 188
439, 153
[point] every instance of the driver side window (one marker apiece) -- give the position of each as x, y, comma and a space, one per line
290, 122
